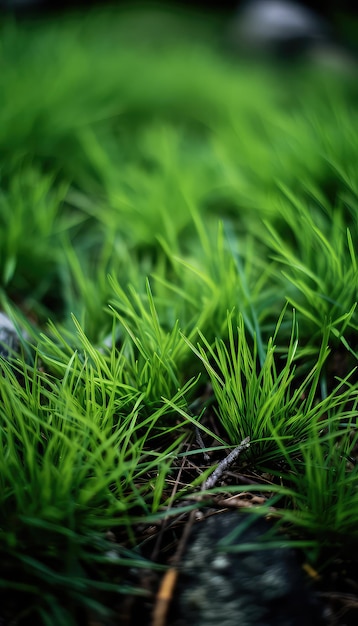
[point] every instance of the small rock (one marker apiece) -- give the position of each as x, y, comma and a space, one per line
254, 587
276, 26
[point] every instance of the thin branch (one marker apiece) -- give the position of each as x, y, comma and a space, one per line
224, 464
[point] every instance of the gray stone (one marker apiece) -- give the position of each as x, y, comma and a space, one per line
276, 26
254, 587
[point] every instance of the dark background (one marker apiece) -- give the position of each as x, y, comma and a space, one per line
327, 8
339, 17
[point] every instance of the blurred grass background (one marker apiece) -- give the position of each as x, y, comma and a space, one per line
162, 200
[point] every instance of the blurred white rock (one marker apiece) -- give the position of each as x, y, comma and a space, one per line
275, 25
285, 30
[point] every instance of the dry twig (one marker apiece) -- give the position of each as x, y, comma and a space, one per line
224, 464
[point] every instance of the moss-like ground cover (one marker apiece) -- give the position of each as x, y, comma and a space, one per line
178, 234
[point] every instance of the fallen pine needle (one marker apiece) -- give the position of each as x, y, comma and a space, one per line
164, 597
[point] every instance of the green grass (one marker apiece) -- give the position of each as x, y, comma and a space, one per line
265, 401
177, 239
